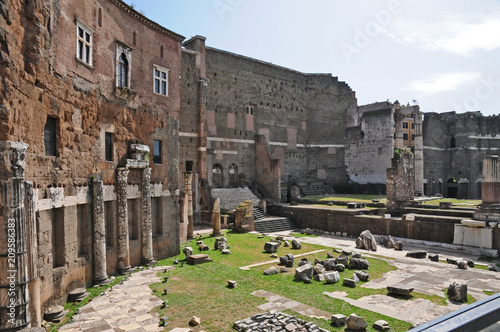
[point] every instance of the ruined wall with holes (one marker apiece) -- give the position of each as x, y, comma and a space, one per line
301, 116
369, 142
454, 148
42, 78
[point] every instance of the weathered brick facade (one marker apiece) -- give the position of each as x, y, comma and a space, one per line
454, 148
79, 88
300, 116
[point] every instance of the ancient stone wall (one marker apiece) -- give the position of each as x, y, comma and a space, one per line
96, 122
302, 117
454, 148
369, 142
373, 131
431, 228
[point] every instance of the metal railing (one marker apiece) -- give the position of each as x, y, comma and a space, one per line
475, 317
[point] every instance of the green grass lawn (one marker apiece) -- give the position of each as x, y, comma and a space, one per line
456, 202
347, 198
202, 290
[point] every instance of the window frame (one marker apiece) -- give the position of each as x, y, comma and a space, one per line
157, 155
108, 149
122, 72
124, 50
80, 48
405, 125
52, 139
161, 80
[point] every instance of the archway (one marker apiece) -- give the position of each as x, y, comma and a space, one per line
217, 176
233, 175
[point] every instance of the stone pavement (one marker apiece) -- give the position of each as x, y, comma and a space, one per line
126, 308
280, 303
424, 276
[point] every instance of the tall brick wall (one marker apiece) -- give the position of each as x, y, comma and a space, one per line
301, 115
454, 148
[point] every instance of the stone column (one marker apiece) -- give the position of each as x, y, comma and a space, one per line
100, 274
147, 224
419, 155
216, 218
32, 245
196, 199
14, 277
123, 236
489, 210
188, 179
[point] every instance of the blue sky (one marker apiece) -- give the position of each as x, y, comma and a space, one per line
443, 54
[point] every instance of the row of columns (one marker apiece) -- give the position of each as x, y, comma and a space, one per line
100, 271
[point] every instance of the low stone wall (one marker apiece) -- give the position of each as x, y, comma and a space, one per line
353, 222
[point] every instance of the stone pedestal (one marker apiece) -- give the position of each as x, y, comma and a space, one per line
123, 235
100, 274
147, 226
216, 219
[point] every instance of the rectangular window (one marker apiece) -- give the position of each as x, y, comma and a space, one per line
157, 152
49, 137
160, 80
108, 146
413, 137
413, 125
405, 136
84, 42
405, 125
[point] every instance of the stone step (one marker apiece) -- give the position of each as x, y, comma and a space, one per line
271, 225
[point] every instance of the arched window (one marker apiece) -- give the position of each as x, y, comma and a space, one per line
123, 71
217, 176
233, 175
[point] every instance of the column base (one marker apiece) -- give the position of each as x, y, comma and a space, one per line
125, 270
149, 262
216, 234
101, 281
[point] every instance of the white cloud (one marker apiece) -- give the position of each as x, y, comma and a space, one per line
454, 34
436, 83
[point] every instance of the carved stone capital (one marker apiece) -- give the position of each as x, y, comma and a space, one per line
13, 158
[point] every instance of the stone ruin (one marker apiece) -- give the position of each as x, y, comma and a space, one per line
366, 241
484, 228
243, 218
400, 180
276, 321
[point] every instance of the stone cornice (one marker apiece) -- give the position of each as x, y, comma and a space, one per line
131, 11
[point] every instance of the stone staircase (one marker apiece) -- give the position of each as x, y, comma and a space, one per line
269, 224
258, 214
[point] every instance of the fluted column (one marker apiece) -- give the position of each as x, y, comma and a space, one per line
188, 178
123, 236
147, 227
14, 277
100, 274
